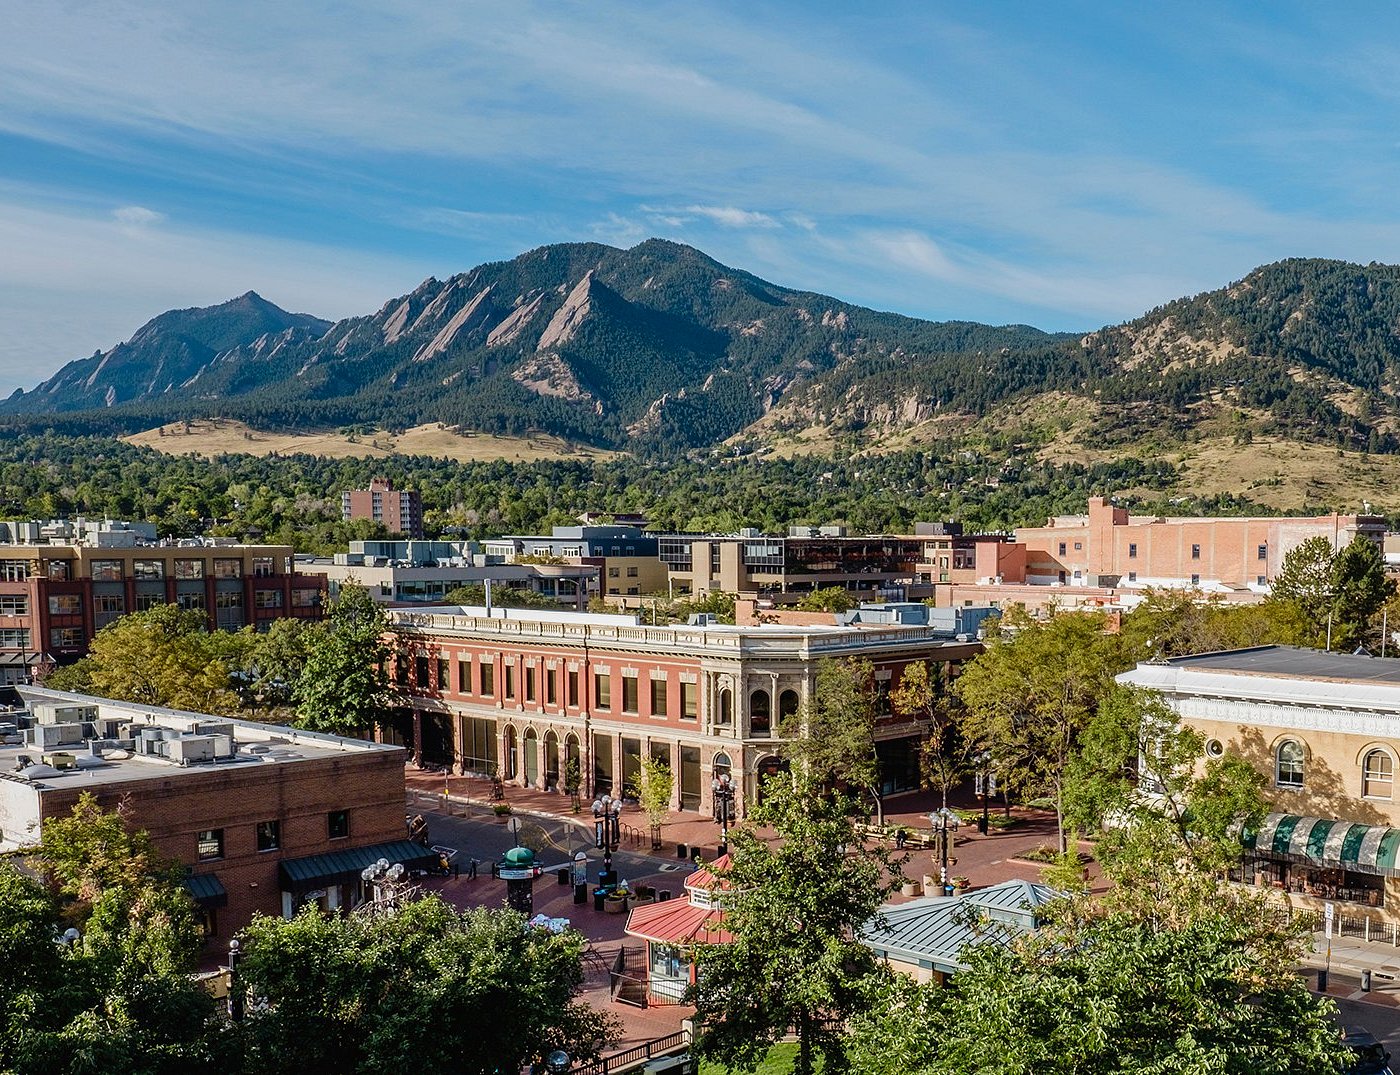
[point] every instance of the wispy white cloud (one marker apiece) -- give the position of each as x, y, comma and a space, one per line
136, 216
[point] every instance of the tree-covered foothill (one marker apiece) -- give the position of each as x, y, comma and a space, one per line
344, 684
793, 902
429, 990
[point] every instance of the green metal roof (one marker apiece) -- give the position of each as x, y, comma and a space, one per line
206, 890
338, 866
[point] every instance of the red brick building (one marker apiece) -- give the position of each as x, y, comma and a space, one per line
267, 818
401, 511
55, 597
522, 691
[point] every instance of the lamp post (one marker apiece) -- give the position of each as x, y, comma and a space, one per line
235, 993
722, 791
986, 784
558, 1062
945, 821
606, 831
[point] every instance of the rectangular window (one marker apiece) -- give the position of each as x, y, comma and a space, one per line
420, 671
269, 835
64, 637
147, 601
338, 824
1259, 580
572, 686
632, 572
658, 697
1132, 551
1078, 545
263, 567
464, 675
14, 570
110, 603
60, 570
629, 694
306, 598
1132, 576
106, 571
225, 568
1263, 552
529, 684
191, 602
15, 637
690, 701
189, 569
1195, 552
14, 604
602, 690
1195, 580
65, 604
210, 845
148, 570
1063, 548
488, 679
401, 671
444, 680
551, 689
267, 598
613, 572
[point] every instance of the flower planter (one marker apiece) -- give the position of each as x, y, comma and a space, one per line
615, 904
912, 888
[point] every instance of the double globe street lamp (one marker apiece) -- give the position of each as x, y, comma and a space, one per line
722, 792
607, 829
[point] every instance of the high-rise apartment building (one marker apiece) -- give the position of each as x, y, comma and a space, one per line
400, 510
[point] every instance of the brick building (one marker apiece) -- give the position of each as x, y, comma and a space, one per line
621, 553
1324, 729
401, 511
522, 692
266, 818
1110, 548
54, 597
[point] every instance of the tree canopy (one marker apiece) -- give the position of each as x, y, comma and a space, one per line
832, 735
344, 684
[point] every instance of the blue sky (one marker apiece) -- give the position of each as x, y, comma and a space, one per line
1064, 165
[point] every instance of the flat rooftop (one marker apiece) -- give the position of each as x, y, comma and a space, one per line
1296, 663
242, 743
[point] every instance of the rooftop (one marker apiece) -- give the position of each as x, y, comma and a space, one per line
56, 739
1297, 663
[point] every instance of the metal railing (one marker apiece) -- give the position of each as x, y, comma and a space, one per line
637, 1055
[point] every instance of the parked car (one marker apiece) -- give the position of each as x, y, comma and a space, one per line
1371, 1055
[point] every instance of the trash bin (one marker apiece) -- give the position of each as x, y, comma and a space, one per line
1365, 981
598, 899
663, 895
682, 852
1322, 981
563, 878
580, 893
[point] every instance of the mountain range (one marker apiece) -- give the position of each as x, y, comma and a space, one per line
660, 349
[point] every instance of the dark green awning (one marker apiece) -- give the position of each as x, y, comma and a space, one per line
340, 866
1328, 842
206, 890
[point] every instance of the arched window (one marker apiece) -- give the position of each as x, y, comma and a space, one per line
512, 753
1377, 775
551, 760
788, 703
721, 763
1290, 764
532, 759
726, 708
760, 713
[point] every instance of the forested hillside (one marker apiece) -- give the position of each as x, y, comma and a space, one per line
660, 350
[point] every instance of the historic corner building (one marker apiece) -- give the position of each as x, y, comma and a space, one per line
1325, 729
522, 692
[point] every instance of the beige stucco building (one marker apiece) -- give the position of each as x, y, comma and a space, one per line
1325, 729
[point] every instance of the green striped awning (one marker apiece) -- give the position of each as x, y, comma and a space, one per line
206, 890
338, 866
1328, 842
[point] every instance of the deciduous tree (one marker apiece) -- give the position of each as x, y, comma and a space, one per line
344, 684
832, 736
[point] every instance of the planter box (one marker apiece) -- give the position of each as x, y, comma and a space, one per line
615, 905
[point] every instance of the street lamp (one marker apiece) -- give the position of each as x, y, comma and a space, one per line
986, 785
235, 993
606, 830
722, 791
558, 1062
945, 821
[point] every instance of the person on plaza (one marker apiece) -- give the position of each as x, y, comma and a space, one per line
900, 835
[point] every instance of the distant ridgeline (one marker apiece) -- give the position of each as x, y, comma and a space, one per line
660, 349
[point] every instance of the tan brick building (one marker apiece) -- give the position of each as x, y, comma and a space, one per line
1325, 730
523, 691
266, 818
1108, 547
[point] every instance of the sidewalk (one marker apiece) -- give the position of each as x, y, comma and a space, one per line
1351, 956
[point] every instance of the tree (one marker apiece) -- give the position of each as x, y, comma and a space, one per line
1305, 579
827, 599
793, 905
164, 656
277, 658
1206, 984
1359, 589
474, 594
945, 754
832, 736
1031, 693
122, 996
1175, 623
428, 989
652, 787
344, 684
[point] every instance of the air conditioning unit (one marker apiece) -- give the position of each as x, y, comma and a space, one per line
191, 748
61, 759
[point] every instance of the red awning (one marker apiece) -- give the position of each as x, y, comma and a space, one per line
677, 922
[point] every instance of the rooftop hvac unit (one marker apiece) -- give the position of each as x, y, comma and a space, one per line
60, 759
212, 727
49, 736
191, 748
